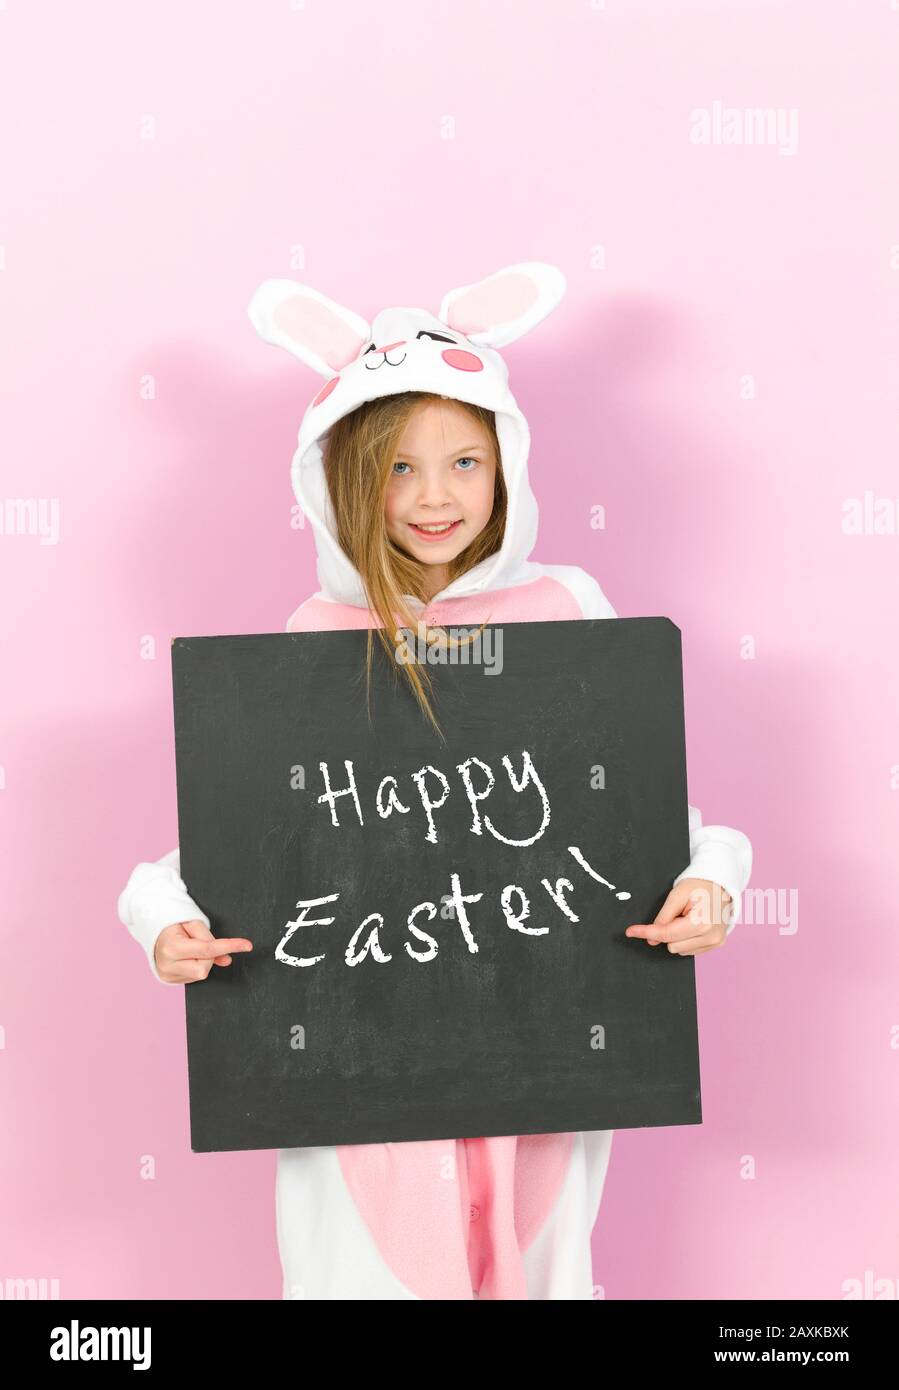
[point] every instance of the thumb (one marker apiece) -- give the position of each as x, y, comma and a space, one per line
198, 931
670, 908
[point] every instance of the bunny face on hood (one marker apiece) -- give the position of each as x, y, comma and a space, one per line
452, 354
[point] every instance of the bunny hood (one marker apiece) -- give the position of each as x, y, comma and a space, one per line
453, 354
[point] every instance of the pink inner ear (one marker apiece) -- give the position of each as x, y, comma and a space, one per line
315, 326
501, 299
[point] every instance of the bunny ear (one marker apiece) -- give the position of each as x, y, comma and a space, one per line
506, 305
321, 333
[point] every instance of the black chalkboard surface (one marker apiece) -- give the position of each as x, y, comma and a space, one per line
513, 1003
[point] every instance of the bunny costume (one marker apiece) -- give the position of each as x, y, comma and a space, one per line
499, 1218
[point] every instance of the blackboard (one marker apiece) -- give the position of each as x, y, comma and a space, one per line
500, 1016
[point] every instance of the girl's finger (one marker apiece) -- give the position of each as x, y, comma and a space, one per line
209, 948
681, 929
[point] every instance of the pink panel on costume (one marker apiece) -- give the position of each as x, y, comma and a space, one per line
430, 1203
543, 600
313, 325
464, 361
501, 299
408, 1196
320, 615
541, 1165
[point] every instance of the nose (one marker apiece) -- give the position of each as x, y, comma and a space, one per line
434, 494
400, 343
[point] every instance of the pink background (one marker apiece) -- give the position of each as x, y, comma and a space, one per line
324, 127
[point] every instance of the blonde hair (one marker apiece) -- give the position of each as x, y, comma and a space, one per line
359, 454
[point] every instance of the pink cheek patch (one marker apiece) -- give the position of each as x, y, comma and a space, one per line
326, 390
462, 360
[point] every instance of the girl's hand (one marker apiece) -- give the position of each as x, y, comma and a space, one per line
693, 918
187, 951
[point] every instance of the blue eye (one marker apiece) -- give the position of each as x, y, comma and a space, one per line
400, 463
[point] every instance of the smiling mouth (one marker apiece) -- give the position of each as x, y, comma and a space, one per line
436, 531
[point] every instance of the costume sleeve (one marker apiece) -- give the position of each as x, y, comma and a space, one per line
154, 897
722, 856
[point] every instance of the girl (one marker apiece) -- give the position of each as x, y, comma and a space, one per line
411, 468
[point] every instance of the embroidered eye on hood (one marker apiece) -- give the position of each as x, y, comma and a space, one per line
453, 354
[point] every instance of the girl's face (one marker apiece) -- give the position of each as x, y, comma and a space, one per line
440, 494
